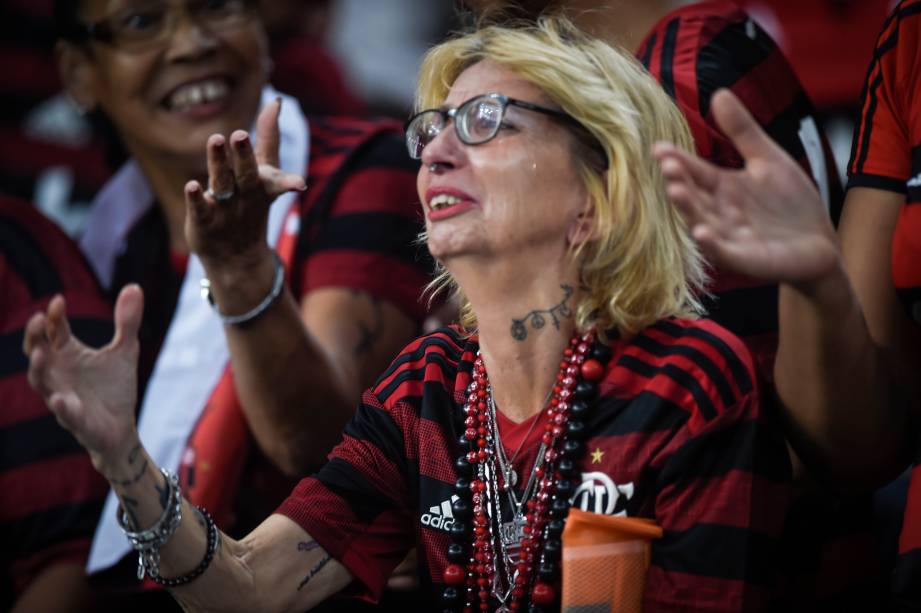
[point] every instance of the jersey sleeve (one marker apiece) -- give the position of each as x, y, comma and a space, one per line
356, 506
881, 154
366, 234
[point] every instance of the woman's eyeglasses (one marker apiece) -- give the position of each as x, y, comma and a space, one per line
145, 25
476, 121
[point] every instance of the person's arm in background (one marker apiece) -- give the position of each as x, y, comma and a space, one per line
843, 397
298, 369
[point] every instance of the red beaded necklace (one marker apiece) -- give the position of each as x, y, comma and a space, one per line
490, 571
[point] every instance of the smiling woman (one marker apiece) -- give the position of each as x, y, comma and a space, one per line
205, 209
582, 378
163, 99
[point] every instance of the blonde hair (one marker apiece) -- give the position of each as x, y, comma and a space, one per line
641, 264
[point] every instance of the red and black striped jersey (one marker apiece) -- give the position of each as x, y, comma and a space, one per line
886, 155
698, 49
677, 435
50, 494
886, 152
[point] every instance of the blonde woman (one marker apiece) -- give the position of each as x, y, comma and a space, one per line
582, 376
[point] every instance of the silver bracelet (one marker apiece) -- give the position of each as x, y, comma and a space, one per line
235, 320
148, 542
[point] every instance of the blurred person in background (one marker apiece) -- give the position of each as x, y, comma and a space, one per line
58, 155
307, 299
51, 496
850, 348
303, 66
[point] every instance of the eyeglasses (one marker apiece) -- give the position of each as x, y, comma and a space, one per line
476, 121
145, 25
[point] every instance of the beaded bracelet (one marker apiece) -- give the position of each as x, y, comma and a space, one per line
236, 320
213, 539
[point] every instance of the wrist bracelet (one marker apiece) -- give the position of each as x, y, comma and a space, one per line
235, 320
148, 542
214, 537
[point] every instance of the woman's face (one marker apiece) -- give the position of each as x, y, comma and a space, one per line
518, 195
167, 100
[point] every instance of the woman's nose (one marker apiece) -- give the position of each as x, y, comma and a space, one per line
444, 150
190, 39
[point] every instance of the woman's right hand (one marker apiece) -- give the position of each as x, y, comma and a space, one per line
92, 392
765, 220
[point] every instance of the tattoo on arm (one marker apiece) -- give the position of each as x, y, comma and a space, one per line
369, 332
307, 545
134, 478
130, 505
538, 317
315, 570
133, 454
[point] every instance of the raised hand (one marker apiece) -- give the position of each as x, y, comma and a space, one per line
229, 218
91, 392
766, 220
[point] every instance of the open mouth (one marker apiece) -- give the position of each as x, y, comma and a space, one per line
443, 201
198, 94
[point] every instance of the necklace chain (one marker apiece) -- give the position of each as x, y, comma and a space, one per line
517, 562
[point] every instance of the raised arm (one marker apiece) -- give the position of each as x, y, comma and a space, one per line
844, 395
298, 369
278, 567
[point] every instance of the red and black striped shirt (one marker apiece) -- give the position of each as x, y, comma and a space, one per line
50, 495
698, 49
676, 435
829, 555
886, 155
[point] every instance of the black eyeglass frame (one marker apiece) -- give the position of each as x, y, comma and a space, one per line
505, 102
103, 31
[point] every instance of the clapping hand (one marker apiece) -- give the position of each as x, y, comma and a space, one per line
229, 218
766, 220
92, 392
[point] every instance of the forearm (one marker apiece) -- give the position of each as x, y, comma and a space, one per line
295, 397
841, 393
255, 574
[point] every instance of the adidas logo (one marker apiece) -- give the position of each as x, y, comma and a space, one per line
440, 516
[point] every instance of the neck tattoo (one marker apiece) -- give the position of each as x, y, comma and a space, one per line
538, 317
513, 564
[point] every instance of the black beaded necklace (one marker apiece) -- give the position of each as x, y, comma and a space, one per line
477, 579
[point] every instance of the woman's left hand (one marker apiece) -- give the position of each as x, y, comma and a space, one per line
228, 220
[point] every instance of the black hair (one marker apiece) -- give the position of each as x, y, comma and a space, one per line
67, 23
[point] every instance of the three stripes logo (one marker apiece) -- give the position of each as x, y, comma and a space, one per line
440, 516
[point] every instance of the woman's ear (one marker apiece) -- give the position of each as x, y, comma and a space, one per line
77, 73
583, 228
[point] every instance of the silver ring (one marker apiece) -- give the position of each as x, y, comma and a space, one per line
222, 197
